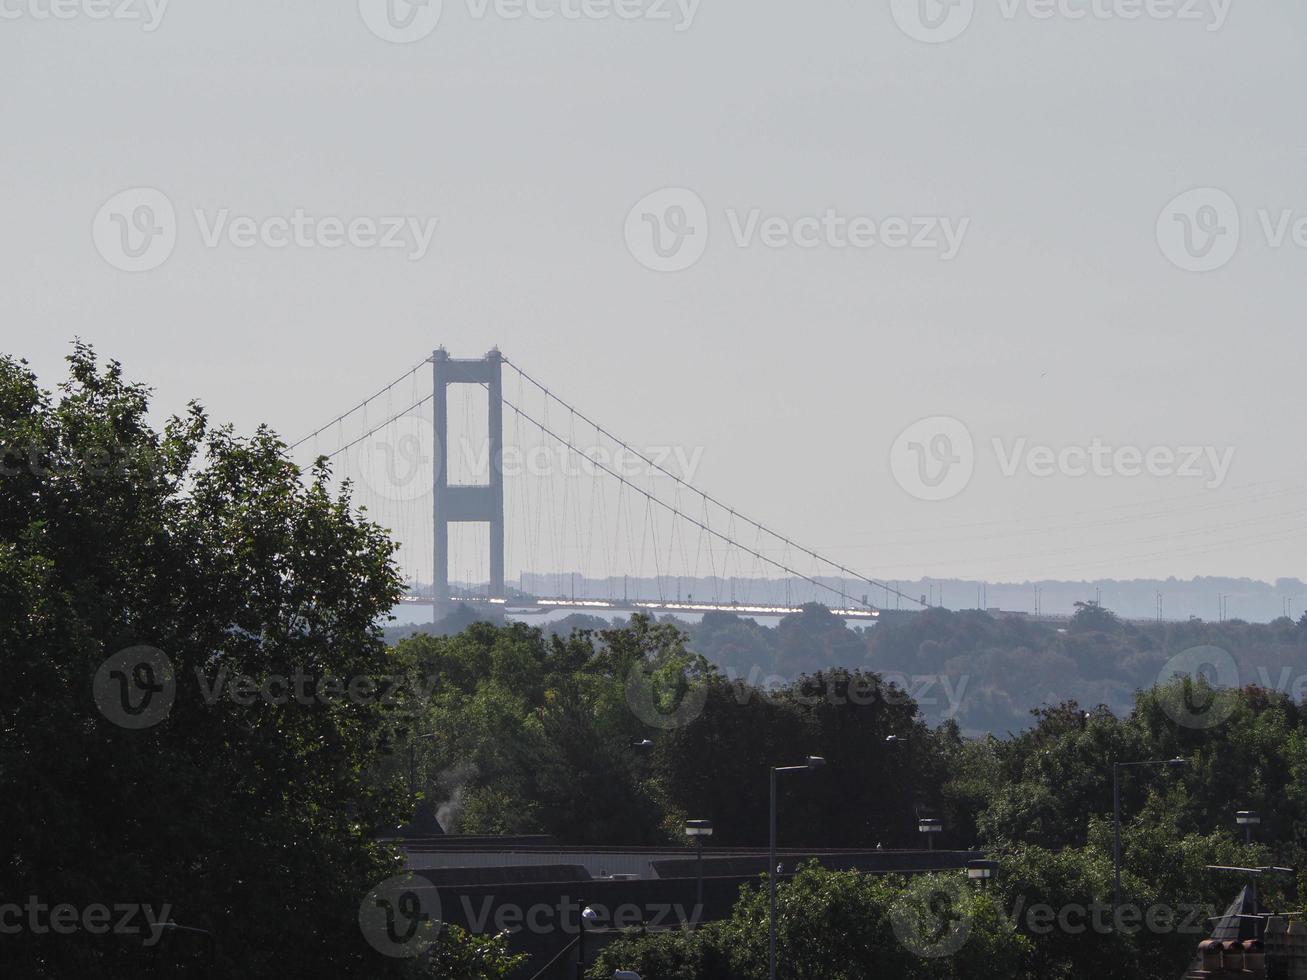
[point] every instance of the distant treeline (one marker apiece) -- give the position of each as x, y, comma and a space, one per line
985, 672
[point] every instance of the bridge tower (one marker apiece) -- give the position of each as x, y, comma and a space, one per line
470, 504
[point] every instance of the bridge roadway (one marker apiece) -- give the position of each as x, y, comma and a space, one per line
533, 606
530, 605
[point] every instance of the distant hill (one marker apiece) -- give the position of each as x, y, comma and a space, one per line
985, 671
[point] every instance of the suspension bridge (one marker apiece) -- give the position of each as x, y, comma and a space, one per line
498, 491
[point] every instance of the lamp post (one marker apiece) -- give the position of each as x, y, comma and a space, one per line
587, 915
1248, 819
812, 762
1116, 817
699, 829
982, 871
930, 827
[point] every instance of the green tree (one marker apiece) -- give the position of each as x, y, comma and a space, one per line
251, 817
840, 925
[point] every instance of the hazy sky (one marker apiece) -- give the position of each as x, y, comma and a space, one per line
1034, 158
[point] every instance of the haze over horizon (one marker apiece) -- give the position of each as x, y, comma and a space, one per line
1125, 417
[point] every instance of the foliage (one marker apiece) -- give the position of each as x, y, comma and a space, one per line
833, 925
251, 820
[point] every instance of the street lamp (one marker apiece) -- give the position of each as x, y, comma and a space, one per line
699, 829
811, 763
930, 827
1248, 819
982, 871
587, 915
1175, 763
